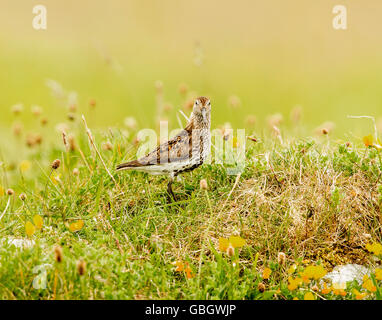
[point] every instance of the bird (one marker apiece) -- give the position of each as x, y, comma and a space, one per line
185, 152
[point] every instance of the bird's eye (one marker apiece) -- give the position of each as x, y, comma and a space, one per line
209, 103
196, 102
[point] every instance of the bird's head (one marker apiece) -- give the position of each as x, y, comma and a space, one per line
202, 108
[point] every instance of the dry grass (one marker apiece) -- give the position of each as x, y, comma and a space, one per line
308, 209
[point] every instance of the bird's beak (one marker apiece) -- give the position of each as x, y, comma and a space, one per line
204, 114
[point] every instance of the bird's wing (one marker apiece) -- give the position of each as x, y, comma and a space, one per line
177, 149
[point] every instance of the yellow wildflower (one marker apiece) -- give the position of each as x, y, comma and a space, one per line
76, 226
375, 248
339, 285
189, 273
325, 289
38, 221
339, 292
305, 278
339, 288
2, 191
368, 140
292, 269
309, 296
359, 295
294, 283
179, 266
29, 229
378, 274
24, 165
313, 272
235, 242
368, 284
266, 273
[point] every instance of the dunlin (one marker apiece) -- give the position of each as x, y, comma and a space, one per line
185, 152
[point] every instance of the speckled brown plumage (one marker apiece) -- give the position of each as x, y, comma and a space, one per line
185, 152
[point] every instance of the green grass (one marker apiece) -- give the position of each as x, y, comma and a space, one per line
315, 198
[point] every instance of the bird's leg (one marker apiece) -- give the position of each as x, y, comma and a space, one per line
169, 190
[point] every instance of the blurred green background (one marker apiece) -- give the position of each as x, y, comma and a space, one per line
273, 55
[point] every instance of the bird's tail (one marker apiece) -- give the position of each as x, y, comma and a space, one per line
129, 165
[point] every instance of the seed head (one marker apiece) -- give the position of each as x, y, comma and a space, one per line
62, 127
167, 107
31, 140
17, 129
261, 287
64, 140
17, 108
275, 120
22, 196
76, 172
188, 104
203, 184
107, 146
130, 122
81, 267
44, 121
234, 102
183, 89
10, 192
71, 116
230, 251
38, 138
159, 86
281, 258
36, 110
325, 128
56, 164
251, 120
92, 103
58, 253
73, 107
72, 143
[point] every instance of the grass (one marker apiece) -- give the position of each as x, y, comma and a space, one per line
317, 200
286, 78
